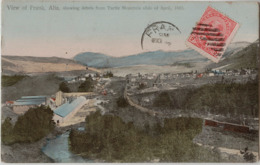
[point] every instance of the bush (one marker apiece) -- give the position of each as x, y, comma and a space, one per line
30, 127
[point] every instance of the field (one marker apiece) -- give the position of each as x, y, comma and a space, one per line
146, 69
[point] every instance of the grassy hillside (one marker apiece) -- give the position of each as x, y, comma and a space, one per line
11, 80
23, 64
234, 99
221, 99
40, 59
31, 86
245, 58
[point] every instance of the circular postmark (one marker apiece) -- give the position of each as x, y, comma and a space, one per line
160, 35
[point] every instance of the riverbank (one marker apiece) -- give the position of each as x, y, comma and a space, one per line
25, 153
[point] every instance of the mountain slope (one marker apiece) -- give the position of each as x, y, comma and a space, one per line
244, 58
235, 47
150, 58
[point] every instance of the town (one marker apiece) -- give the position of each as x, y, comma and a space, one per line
72, 103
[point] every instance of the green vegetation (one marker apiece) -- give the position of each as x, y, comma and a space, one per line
87, 85
64, 87
108, 74
245, 58
121, 102
30, 127
220, 98
11, 80
6, 132
163, 100
108, 138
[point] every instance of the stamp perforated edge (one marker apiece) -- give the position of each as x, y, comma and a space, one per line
228, 41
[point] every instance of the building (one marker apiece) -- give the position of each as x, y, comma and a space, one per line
67, 110
23, 104
59, 98
9, 103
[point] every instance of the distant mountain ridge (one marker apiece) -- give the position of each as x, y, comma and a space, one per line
159, 57
147, 58
39, 59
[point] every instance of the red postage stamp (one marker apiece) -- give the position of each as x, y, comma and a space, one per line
212, 34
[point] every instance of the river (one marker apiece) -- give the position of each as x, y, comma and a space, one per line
58, 150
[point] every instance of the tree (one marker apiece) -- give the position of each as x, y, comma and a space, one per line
121, 102
32, 126
141, 86
108, 74
163, 100
64, 87
86, 86
7, 130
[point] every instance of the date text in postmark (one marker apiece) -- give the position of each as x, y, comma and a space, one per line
159, 35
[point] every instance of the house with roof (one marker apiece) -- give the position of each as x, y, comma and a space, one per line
23, 104
68, 109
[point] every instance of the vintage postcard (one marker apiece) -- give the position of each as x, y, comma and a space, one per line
129, 82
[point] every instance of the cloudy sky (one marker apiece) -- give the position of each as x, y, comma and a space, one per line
65, 33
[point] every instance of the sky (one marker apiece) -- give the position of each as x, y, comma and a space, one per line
65, 33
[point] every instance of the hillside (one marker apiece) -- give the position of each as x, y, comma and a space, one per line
243, 58
46, 84
27, 64
158, 58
